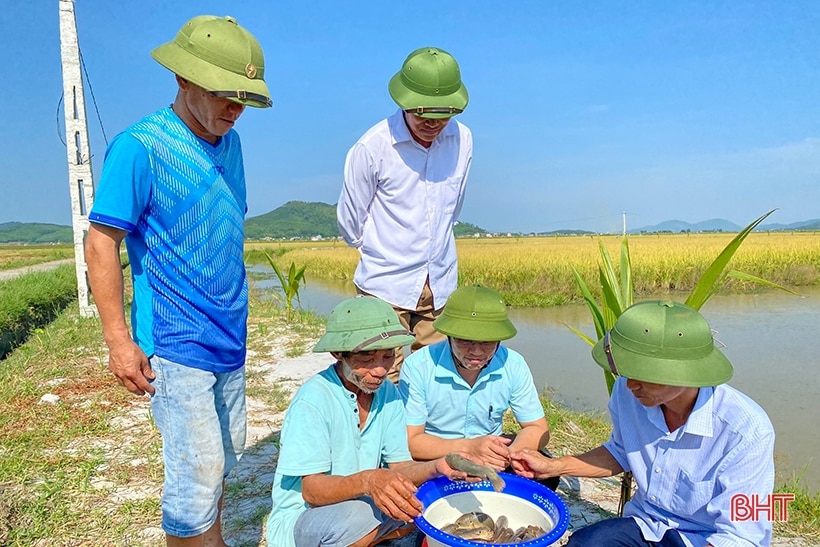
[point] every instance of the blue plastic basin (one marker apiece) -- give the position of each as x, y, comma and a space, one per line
522, 500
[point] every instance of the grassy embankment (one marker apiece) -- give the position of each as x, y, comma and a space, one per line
537, 271
87, 470
20, 256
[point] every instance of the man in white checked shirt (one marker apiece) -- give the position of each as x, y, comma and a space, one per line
692, 442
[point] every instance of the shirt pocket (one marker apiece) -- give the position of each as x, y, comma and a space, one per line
691, 496
449, 193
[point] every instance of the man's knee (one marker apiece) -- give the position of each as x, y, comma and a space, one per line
614, 532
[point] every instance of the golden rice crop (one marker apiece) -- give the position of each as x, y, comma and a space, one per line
536, 271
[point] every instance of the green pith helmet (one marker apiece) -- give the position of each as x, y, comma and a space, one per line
219, 56
429, 84
363, 323
663, 342
475, 313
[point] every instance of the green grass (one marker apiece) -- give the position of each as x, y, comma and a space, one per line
88, 469
31, 301
21, 256
803, 512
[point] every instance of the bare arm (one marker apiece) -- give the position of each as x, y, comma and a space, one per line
392, 490
126, 360
596, 463
534, 435
490, 450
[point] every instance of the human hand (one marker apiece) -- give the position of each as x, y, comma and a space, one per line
443, 467
491, 450
394, 494
131, 367
534, 465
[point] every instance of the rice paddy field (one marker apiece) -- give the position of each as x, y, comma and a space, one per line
20, 256
537, 271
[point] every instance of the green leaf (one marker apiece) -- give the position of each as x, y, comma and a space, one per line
712, 279
609, 378
594, 310
276, 270
760, 281
627, 291
610, 303
581, 335
290, 285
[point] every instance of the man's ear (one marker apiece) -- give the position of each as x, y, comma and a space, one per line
336, 355
182, 82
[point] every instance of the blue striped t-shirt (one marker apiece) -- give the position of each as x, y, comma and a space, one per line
182, 201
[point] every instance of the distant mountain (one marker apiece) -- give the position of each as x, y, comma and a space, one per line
465, 229
678, 226
305, 220
299, 219
809, 225
32, 232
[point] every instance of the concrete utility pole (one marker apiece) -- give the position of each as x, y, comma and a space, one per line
80, 178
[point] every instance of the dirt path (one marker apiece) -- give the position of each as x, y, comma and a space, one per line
11, 274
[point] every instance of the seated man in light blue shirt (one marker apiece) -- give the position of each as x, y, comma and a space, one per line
456, 391
692, 442
344, 476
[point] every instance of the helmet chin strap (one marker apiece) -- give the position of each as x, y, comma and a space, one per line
352, 377
465, 367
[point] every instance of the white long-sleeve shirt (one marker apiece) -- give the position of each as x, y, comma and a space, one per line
398, 206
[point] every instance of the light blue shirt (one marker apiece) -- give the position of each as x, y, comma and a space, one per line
321, 435
398, 205
686, 478
436, 396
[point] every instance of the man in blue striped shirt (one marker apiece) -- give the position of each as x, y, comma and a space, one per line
692, 442
173, 187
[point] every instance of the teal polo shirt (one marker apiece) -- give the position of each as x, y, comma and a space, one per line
321, 435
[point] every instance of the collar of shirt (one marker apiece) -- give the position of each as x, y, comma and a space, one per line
447, 367
401, 133
699, 421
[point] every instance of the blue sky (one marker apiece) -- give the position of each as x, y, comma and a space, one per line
579, 110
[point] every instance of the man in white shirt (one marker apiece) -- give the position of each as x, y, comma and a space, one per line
403, 190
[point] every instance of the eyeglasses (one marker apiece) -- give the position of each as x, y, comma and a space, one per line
608, 352
421, 110
470, 343
242, 95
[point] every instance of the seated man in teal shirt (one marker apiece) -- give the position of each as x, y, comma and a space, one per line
455, 392
344, 475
